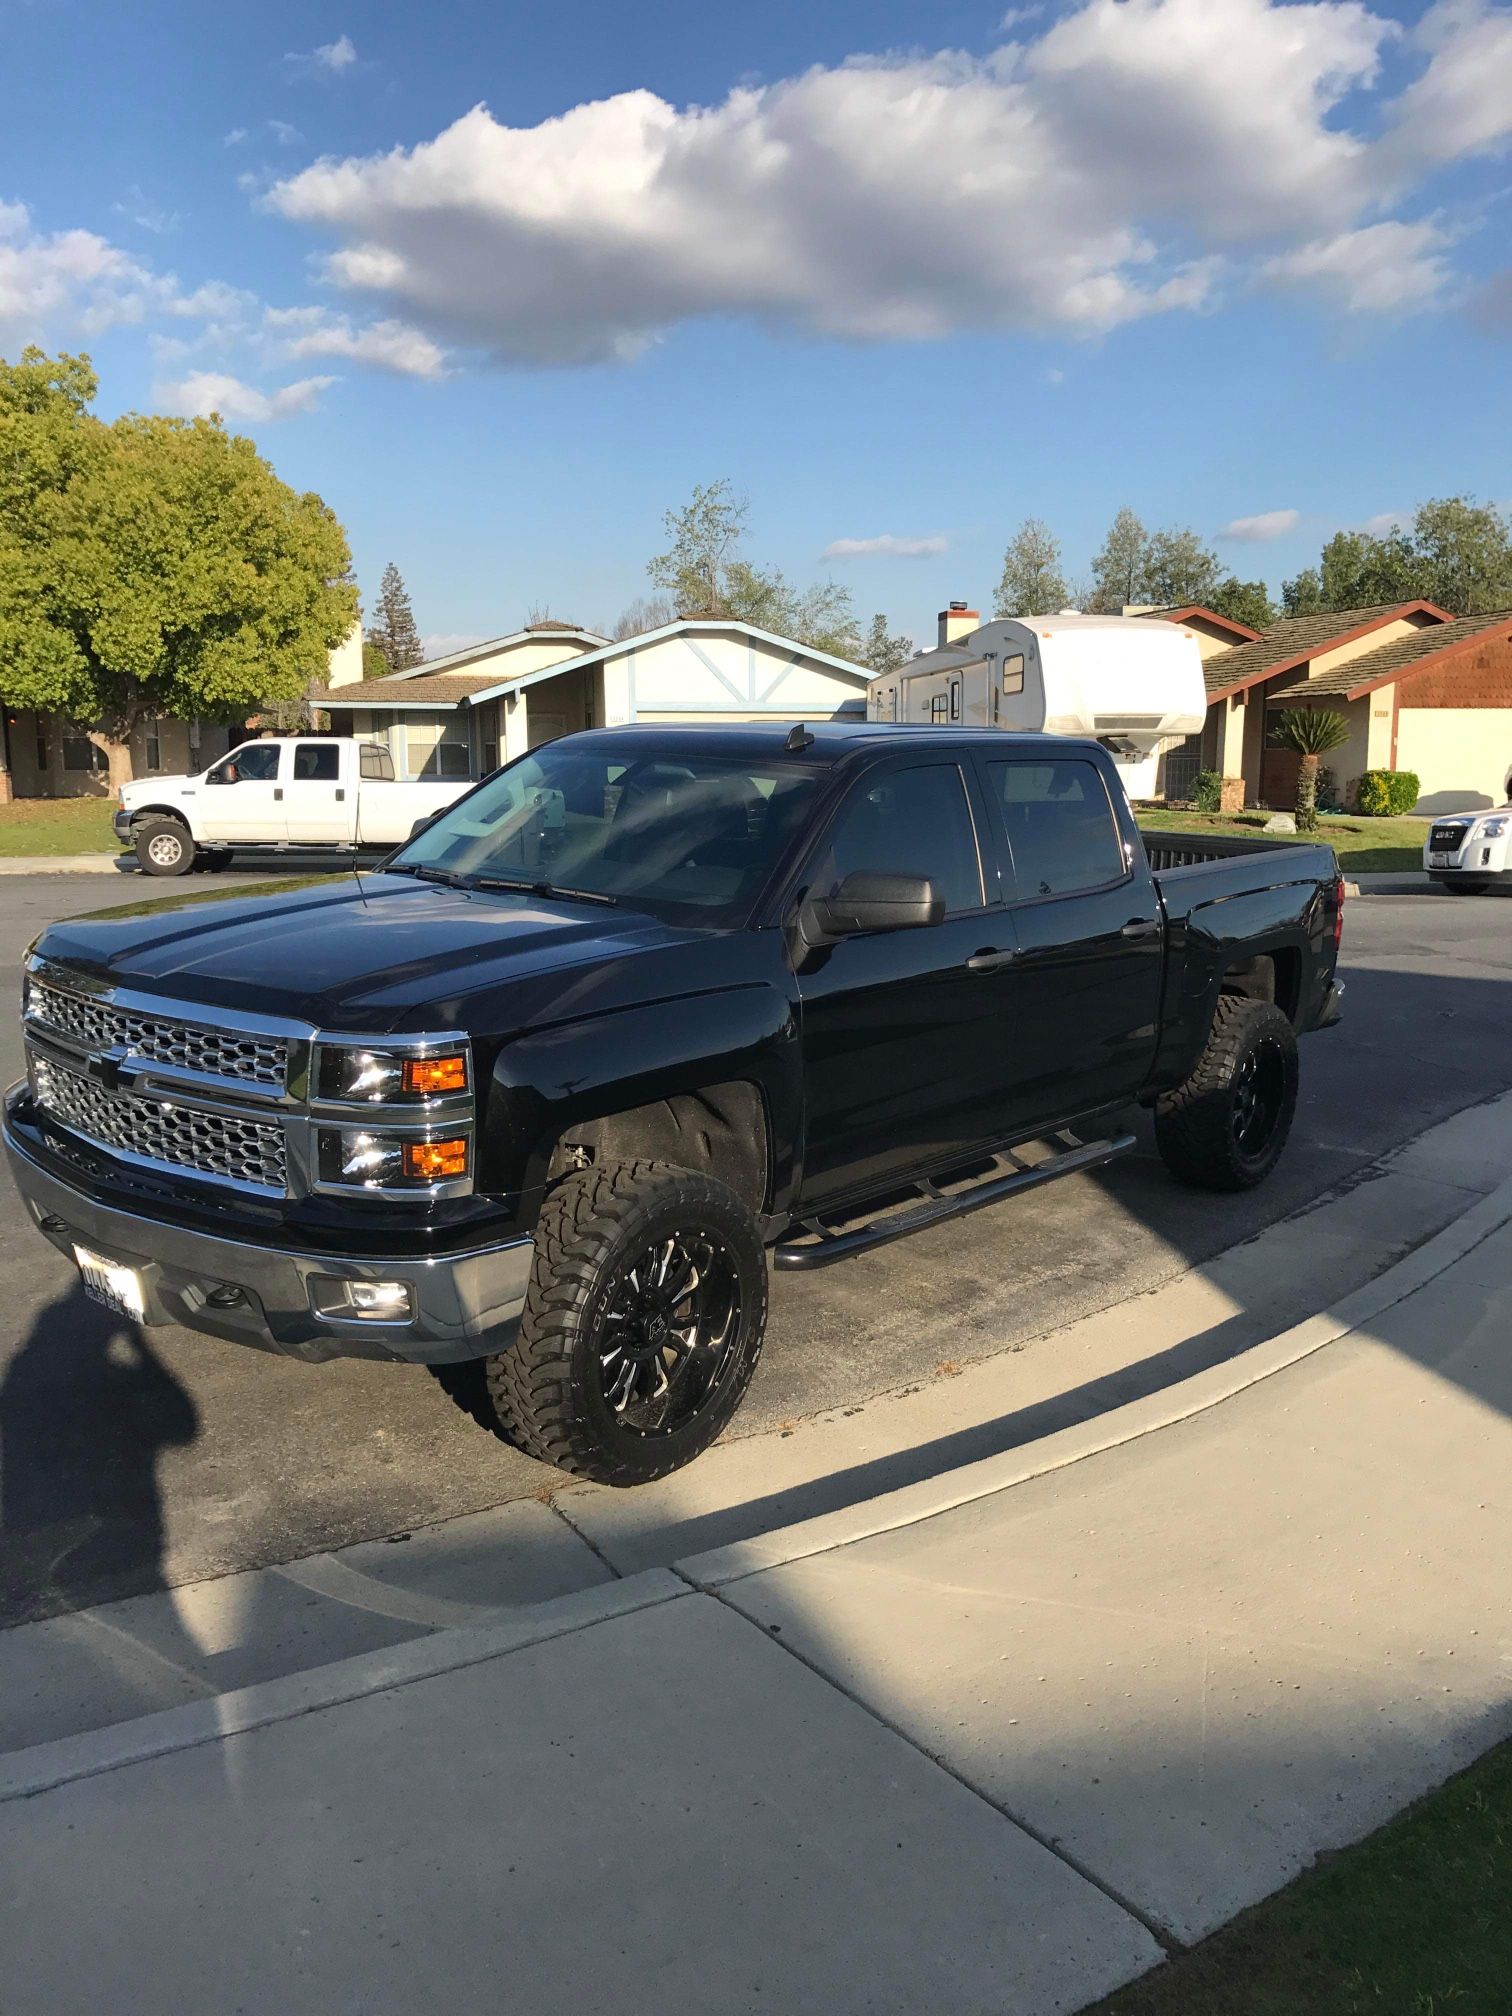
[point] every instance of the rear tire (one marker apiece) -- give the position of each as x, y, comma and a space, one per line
164, 847
1467, 888
1225, 1128
642, 1325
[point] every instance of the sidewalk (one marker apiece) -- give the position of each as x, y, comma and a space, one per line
985, 1742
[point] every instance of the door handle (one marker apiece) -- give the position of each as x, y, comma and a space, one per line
990, 961
278, 790
340, 797
1141, 927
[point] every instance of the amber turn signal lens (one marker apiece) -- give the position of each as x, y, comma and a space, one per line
432, 1161
436, 1074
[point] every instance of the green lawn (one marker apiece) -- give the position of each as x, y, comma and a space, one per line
58, 826
1365, 846
1416, 1921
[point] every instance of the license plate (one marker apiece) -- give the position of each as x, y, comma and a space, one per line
113, 1286
1439, 860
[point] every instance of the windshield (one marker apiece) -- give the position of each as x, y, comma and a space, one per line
691, 838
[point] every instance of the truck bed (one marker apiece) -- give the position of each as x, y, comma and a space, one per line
1192, 869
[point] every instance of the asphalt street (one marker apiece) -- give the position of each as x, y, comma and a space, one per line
126, 1462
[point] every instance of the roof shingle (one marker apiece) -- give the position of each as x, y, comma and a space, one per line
1391, 660
1292, 641
436, 689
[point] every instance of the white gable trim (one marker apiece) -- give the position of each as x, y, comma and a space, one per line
684, 627
454, 659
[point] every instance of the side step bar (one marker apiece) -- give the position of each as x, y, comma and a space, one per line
823, 1247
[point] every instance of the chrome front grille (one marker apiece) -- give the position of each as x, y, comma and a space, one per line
159, 1039
1447, 839
226, 1145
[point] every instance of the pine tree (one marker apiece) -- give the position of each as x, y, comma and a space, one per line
394, 631
1118, 569
1032, 583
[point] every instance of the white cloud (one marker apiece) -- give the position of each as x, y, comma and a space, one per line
1462, 103
1071, 181
1385, 522
235, 137
1390, 268
889, 543
330, 57
1263, 525
138, 209
68, 280
285, 134
217, 392
392, 346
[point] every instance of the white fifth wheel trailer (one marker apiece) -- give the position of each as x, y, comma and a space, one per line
1131, 683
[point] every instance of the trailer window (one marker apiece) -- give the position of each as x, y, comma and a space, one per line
955, 699
1013, 673
1060, 825
937, 707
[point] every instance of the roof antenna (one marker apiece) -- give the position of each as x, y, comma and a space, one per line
798, 739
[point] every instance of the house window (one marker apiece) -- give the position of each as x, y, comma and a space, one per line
490, 758
42, 752
1013, 673
937, 707
154, 744
79, 753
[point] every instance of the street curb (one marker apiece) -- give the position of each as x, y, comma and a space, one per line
931, 1496
44, 1767
61, 864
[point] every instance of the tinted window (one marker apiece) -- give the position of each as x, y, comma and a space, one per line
376, 763
258, 762
320, 761
1060, 826
689, 837
908, 822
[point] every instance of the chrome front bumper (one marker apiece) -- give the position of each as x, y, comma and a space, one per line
465, 1304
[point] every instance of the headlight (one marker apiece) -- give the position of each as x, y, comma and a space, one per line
361, 1158
1491, 829
398, 1076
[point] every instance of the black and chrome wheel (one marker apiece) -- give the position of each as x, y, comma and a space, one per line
642, 1327
1225, 1128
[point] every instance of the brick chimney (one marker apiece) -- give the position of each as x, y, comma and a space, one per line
956, 621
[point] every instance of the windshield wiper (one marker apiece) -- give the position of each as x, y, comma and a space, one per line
441, 875
542, 889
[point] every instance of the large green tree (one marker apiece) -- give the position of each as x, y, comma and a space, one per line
1178, 569
1118, 570
1032, 582
152, 565
882, 652
394, 629
1455, 552
1245, 601
704, 573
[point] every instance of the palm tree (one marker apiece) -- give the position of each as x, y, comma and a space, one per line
1312, 732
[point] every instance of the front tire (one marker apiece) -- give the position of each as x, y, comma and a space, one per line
642, 1326
164, 847
1225, 1128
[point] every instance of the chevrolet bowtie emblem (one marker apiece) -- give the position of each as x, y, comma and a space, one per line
108, 1068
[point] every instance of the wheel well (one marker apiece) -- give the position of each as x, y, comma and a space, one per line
1268, 976
720, 1130
141, 812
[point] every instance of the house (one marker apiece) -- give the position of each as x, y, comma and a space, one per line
462, 715
1420, 690
1181, 762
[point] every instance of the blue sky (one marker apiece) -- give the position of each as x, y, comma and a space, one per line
902, 272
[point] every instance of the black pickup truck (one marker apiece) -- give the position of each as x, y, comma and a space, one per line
642, 1005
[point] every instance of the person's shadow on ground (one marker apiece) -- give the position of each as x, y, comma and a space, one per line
86, 1408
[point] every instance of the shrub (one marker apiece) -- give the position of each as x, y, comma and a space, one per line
1383, 794
1207, 791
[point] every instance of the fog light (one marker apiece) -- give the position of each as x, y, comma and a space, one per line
364, 1301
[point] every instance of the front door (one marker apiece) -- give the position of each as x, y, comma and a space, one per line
244, 800
902, 1037
1086, 983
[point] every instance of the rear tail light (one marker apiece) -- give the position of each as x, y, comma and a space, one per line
1338, 912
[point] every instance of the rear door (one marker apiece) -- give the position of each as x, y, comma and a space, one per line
1087, 921
318, 798
903, 1036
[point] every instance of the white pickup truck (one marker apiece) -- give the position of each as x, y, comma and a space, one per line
280, 792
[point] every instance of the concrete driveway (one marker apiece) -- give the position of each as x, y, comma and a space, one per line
181, 1458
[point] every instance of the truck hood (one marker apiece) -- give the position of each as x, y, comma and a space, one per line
377, 954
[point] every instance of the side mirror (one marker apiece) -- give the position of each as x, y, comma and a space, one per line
217, 777
870, 902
